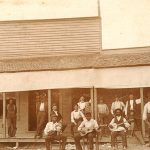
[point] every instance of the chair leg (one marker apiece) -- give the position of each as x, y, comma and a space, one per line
60, 145
50, 145
83, 143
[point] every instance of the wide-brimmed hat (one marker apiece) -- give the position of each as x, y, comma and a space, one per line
117, 110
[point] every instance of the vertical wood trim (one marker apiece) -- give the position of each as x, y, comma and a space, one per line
95, 103
92, 101
49, 104
142, 108
18, 105
4, 115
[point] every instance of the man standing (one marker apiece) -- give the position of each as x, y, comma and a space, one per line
53, 131
131, 112
118, 127
117, 104
88, 129
103, 112
11, 118
146, 116
42, 110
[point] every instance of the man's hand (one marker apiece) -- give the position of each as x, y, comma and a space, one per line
110, 126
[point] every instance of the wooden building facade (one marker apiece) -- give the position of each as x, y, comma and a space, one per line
64, 58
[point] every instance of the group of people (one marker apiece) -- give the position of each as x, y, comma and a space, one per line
82, 123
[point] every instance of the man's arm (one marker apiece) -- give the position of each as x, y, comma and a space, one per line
82, 115
112, 108
81, 126
107, 109
126, 124
96, 125
145, 112
123, 105
46, 129
72, 118
126, 108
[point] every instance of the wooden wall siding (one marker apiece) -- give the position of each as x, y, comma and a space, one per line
49, 37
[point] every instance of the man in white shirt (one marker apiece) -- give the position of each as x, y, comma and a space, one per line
88, 129
146, 116
77, 117
53, 131
103, 112
118, 127
117, 104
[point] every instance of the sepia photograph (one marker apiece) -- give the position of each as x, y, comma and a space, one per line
74, 75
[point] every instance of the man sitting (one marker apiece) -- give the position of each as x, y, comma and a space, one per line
87, 129
53, 131
118, 127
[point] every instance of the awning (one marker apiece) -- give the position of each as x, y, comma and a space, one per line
125, 77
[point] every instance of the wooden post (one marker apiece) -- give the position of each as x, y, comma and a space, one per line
142, 107
49, 104
4, 115
92, 101
95, 103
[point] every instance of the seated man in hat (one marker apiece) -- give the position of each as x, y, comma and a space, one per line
88, 129
53, 131
118, 127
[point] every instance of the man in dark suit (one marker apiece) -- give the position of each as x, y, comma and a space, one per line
41, 111
55, 111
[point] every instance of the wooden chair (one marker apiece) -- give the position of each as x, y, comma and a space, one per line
86, 141
59, 142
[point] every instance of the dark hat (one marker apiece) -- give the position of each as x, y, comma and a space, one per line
117, 110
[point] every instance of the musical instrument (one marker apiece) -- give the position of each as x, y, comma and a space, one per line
116, 126
85, 131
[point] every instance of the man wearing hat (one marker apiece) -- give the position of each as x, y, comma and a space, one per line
41, 111
53, 131
118, 127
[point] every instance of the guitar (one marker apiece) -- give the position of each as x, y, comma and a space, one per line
115, 126
85, 130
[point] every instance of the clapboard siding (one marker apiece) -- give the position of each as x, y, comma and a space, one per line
49, 37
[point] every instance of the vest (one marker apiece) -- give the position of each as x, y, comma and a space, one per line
120, 121
129, 106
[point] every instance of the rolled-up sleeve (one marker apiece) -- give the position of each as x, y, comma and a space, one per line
81, 126
127, 125
46, 129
